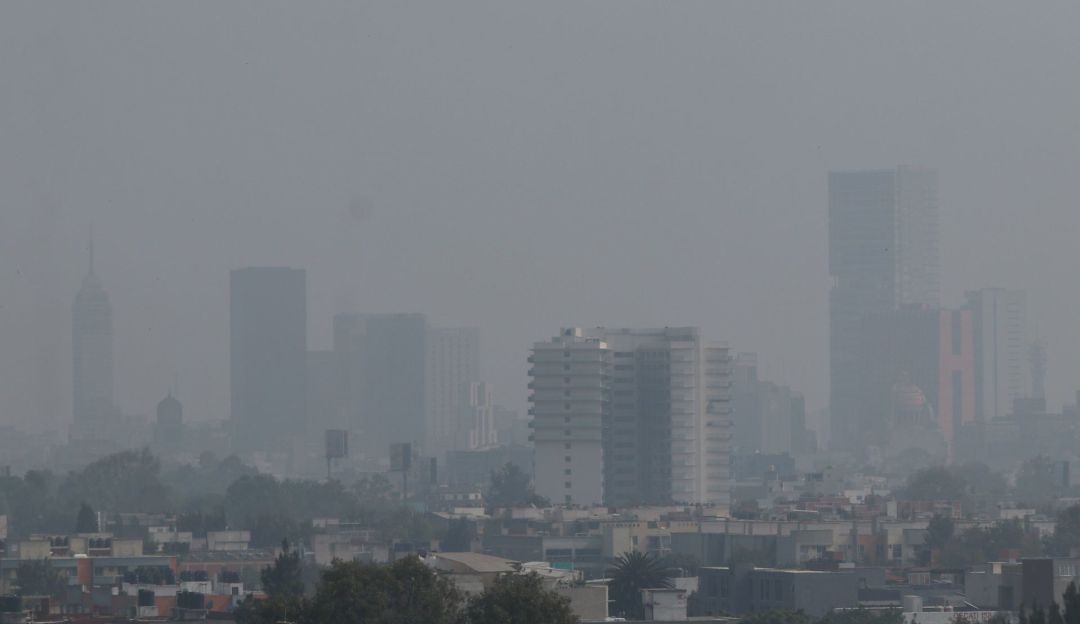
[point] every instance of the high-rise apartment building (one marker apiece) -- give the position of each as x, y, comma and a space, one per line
92, 353
883, 253
453, 363
999, 317
631, 415
400, 380
768, 418
267, 357
476, 418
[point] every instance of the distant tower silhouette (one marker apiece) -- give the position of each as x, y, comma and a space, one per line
1037, 361
169, 428
92, 350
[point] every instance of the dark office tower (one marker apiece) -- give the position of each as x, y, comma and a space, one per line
92, 353
169, 425
393, 365
883, 253
268, 357
348, 339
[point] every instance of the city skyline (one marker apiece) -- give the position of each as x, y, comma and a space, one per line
719, 198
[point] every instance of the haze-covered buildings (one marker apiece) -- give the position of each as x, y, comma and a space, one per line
92, 354
628, 415
883, 254
999, 318
268, 357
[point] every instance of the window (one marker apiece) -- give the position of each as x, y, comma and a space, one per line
566, 472
567, 445
567, 484
567, 499
566, 431
566, 418
566, 459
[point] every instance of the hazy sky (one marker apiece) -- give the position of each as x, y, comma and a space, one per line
510, 165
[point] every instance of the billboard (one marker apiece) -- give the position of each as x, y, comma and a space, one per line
337, 443
400, 457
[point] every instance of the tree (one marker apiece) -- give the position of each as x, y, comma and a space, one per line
39, 578
1071, 598
374, 490
283, 584
126, 481
633, 572
284, 580
935, 483
863, 616
987, 544
402, 593
776, 616
519, 599
86, 521
1053, 614
939, 533
511, 487
1035, 482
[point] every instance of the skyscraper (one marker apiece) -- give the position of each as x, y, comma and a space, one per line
92, 353
883, 253
476, 418
1000, 327
268, 357
453, 363
401, 380
631, 415
918, 375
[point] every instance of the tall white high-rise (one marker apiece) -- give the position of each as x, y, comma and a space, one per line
453, 362
631, 416
476, 417
1000, 327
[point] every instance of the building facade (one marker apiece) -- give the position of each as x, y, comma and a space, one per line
453, 363
999, 317
883, 253
475, 418
631, 415
267, 357
917, 378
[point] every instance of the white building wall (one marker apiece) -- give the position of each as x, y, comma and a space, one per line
569, 399
453, 362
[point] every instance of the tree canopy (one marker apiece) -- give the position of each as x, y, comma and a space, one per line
519, 599
86, 521
633, 572
39, 578
404, 592
511, 487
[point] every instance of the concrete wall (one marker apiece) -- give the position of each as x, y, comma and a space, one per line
589, 602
